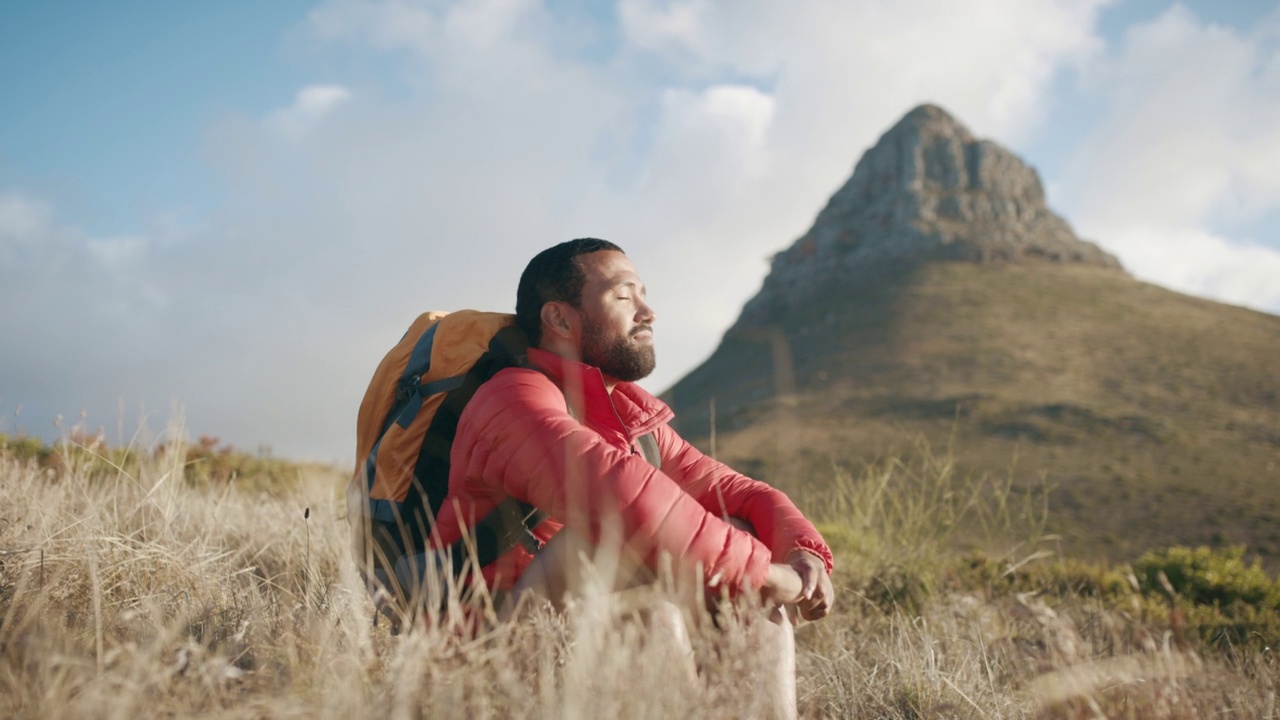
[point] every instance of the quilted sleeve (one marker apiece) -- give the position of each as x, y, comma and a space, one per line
516, 433
725, 492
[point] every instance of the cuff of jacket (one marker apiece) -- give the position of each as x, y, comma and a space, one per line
753, 576
817, 548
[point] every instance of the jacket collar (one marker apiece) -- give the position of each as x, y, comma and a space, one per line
630, 412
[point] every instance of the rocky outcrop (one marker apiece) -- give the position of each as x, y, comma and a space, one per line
928, 190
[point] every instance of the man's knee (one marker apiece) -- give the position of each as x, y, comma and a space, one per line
666, 619
558, 569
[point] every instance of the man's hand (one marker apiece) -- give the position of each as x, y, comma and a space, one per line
783, 585
816, 593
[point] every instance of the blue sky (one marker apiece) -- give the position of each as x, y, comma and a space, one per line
109, 101
234, 207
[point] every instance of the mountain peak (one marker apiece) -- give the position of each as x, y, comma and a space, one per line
928, 113
928, 190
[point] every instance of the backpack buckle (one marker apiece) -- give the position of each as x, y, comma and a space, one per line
407, 387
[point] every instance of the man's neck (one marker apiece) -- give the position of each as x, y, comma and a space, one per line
569, 353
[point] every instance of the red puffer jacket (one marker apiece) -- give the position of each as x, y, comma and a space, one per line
517, 437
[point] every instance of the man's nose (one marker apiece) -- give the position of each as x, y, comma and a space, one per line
645, 314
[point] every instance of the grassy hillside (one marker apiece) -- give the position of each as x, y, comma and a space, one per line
1149, 417
146, 593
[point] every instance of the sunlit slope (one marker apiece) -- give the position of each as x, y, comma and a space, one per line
1153, 416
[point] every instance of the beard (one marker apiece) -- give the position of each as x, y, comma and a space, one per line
618, 357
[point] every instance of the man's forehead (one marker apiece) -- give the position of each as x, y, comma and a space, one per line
608, 268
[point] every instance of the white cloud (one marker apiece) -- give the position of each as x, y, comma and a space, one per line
21, 217
429, 29
391, 25
34, 252
484, 23
722, 129
989, 61
675, 26
1189, 151
117, 252
1196, 262
309, 107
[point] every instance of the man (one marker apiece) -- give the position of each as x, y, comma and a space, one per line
563, 434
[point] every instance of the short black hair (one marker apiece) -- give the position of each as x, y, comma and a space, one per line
553, 275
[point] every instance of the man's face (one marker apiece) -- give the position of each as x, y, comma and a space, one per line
617, 323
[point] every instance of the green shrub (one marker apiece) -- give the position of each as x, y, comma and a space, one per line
1205, 576
25, 449
1062, 577
1235, 627
210, 467
1217, 598
205, 463
1218, 601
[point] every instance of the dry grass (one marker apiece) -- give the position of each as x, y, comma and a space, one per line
140, 594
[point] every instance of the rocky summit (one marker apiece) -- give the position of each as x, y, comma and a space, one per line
928, 190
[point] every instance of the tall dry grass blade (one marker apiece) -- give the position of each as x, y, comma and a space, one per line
97, 607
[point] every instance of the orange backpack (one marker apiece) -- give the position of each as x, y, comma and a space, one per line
405, 429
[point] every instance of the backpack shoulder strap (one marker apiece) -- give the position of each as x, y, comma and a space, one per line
649, 448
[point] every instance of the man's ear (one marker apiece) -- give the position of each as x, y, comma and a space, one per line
559, 318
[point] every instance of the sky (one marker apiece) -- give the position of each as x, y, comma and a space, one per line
226, 213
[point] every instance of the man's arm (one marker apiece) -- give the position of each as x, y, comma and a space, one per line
516, 434
791, 538
726, 492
